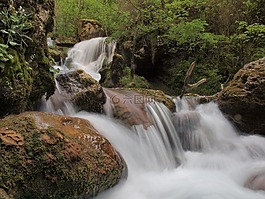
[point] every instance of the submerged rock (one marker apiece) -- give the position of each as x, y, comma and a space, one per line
50, 156
243, 100
82, 90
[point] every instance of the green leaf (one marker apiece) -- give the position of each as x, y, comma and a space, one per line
4, 46
12, 43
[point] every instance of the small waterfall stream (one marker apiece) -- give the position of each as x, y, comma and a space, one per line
194, 153
90, 56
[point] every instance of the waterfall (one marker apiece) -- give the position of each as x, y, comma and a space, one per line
193, 153
91, 55
226, 165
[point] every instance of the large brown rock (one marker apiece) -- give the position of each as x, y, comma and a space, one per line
129, 104
243, 100
50, 156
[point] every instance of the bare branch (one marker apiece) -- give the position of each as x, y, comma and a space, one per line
187, 78
195, 85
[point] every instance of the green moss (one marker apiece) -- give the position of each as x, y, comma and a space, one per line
15, 84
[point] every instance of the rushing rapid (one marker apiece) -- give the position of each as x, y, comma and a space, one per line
225, 166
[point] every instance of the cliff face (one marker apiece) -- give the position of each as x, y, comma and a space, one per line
26, 78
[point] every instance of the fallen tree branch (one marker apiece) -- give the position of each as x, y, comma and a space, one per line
186, 85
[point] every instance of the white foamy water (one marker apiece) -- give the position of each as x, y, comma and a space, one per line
220, 171
91, 55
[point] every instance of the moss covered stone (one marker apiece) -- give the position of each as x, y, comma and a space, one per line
243, 100
49, 156
15, 84
88, 29
84, 91
157, 95
35, 53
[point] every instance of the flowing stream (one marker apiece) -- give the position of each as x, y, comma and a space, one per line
194, 153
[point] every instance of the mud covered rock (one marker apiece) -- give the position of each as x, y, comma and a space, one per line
243, 100
50, 156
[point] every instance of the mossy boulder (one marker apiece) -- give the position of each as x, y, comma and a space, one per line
82, 90
243, 100
50, 156
15, 83
157, 95
34, 52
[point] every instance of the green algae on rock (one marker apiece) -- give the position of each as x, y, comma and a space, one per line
50, 156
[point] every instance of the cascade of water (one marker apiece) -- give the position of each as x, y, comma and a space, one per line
161, 117
209, 174
57, 103
91, 55
201, 128
215, 161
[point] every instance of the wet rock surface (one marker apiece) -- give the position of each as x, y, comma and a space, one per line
129, 104
82, 90
50, 156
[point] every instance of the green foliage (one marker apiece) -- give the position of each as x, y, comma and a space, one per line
15, 26
4, 55
221, 36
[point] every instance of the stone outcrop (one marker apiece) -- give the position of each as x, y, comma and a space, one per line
50, 156
82, 90
43, 80
25, 81
15, 84
243, 100
89, 28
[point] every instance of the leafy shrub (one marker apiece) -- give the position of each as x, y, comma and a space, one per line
15, 26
